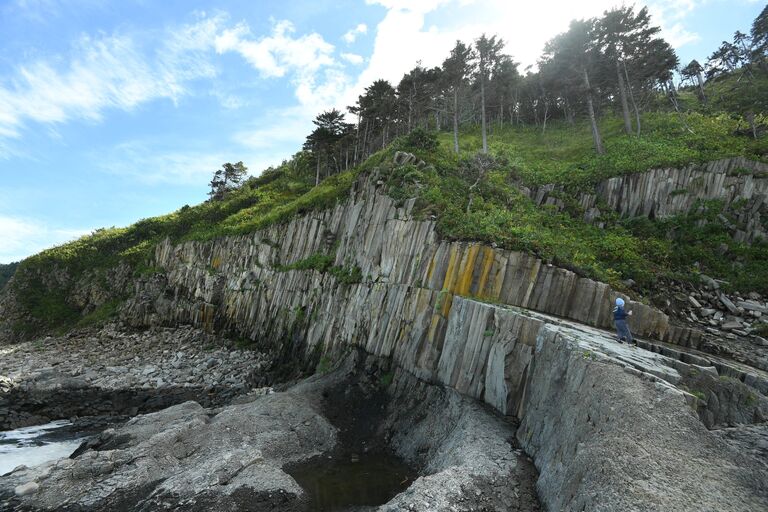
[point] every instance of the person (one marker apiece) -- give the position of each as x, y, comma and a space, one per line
620, 319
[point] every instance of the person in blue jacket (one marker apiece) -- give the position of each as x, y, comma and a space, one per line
620, 319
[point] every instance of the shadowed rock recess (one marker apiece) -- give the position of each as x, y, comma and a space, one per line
470, 354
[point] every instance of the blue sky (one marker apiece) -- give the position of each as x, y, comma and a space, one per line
115, 111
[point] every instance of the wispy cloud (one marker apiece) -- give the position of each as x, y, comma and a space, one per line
105, 72
23, 237
351, 35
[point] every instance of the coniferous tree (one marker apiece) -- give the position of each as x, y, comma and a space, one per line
487, 54
759, 35
694, 70
456, 70
573, 54
225, 179
629, 42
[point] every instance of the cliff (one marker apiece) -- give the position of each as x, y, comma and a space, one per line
408, 279
741, 184
500, 326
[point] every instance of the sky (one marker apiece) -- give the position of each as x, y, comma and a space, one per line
113, 111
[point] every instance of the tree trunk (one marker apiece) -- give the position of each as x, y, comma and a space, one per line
623, 97
751, 120
700, 80
632, 98
384, 136
482, 112
364, 149
471, 190
592, 119
501, 111
456, 119
357, 140
546, 112
317, 171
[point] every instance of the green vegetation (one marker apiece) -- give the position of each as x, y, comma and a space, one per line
324, 263
761, 329
699, 394
324, 365
638, 249
564, 153
318, 261
386, 379
100, 315
6, 272
678, 247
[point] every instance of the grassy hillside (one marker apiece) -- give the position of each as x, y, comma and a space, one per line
644, 251
564, 153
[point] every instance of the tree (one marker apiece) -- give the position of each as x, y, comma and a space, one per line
723, 60
694, 70
376, 109
573, 55
456, 69
226, 179
330, 128
477, 168
504, 82
488, 51
417, 95
759, 35
629, 41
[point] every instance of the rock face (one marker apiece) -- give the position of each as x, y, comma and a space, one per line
407, 275
181, 455
740, 183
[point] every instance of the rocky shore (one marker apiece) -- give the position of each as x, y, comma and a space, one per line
191, 458
116, 373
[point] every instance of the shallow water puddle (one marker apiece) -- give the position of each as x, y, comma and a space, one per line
31, 446
343, 483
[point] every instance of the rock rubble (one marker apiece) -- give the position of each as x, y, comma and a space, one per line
110, 372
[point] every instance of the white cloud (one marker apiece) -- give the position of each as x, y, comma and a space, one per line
278, 53
306, 61
24, 237
405, 34
105, 72
351, 35
670, 15
352, 58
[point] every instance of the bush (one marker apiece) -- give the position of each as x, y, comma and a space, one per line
420, 139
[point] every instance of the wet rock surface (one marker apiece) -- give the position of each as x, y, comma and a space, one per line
234, 458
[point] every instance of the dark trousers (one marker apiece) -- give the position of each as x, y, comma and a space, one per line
622, 331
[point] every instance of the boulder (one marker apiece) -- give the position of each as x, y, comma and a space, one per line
725, 301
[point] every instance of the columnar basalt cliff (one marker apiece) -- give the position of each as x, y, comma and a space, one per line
407, 277
740, 183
